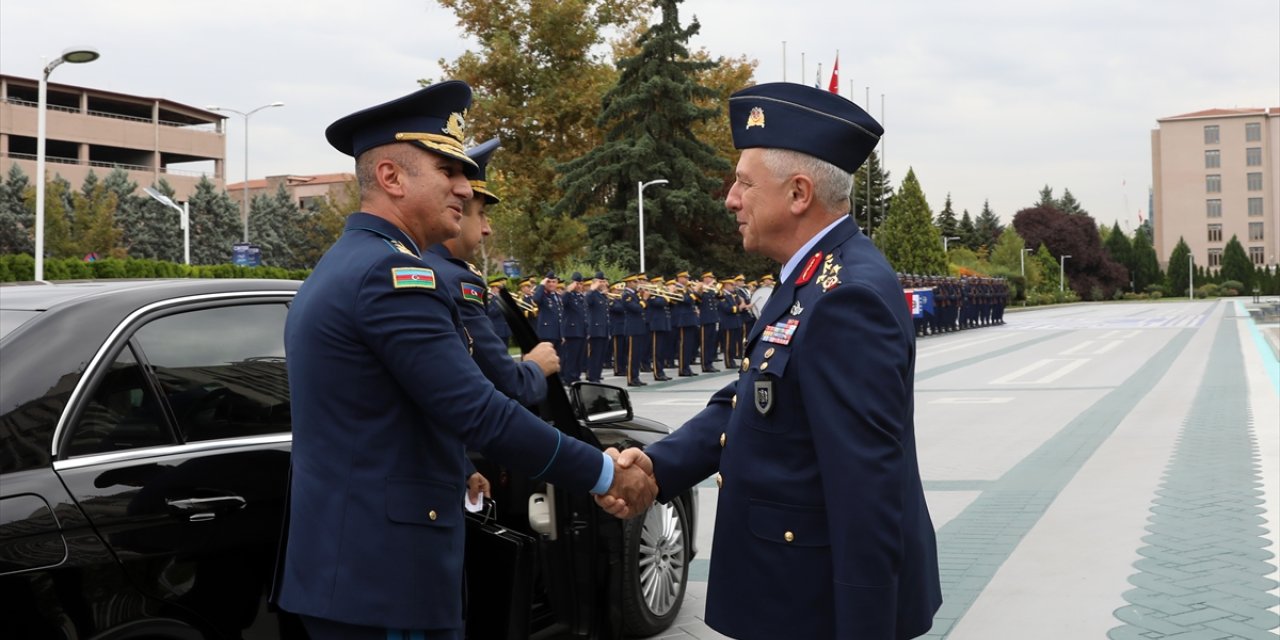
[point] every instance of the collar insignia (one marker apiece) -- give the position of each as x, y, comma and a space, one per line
756, 119
810, 267
474, 269
830, 276
398, 246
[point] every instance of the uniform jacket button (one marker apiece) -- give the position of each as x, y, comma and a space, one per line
719, 481
788, 536
431, 514
769, 353
733, 404
722, 436
764, 365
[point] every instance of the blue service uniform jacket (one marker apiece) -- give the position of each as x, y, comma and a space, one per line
633, 314
520, 380
574, 324
550, 315
655, 314
682, 311
497, 319
386, 399
597, 315
708, 302
821, 525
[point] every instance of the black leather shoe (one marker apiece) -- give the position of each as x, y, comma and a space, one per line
661, 378
711, 370
688, 374
637, 384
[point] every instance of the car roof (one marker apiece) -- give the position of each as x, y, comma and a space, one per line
42, 296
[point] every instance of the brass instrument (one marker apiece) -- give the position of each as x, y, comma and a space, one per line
654, 289
527, 306
612, 295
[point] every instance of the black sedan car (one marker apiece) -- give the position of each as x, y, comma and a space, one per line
144, 457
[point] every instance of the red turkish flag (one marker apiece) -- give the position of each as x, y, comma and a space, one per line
834, 87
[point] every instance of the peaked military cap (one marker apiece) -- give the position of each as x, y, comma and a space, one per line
576, 277
600, 275
708, 274
433, 117
497, 280
787, 115
480, 154
767, 276
682, 274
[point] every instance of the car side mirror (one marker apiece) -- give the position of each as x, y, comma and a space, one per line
600, 403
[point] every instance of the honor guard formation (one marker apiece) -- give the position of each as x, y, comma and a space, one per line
946, 304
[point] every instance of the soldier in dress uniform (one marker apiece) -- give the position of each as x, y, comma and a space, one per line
525, 381
491, 308
550, 311
659, 325
821, 526
684, 322
387, 398
574, 329
760, 297
730, 323
527, 305
597, 326
709, 320
617, 329
633, 330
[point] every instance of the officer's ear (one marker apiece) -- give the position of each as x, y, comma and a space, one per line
799, 193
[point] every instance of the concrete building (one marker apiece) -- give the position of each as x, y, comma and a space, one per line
1216, 174
90, 129
306, 191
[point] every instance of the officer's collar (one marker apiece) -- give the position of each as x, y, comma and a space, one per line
383, 227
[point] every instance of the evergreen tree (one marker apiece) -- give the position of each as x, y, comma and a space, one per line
908, 238
1008, 256
881, 194
1121, 251
151, 230
58, 241
987, 227
94, 228
215, 224
1046, 198
274, 227
17, 220
946, 221
1050, 270
1178, 275
1236, 264
968, 232
1068, 204
648, 118
1146, 266
322, 227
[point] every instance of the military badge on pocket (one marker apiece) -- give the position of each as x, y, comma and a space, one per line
764, 396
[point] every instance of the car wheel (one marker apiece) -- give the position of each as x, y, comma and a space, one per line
655, 568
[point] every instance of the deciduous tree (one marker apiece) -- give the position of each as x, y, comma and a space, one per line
1093, 275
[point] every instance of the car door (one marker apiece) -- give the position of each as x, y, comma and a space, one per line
177, 452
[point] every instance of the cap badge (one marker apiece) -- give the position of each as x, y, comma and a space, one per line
756, 118
456, 127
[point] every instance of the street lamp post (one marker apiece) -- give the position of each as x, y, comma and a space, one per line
1062, 272
185, 220
246, 154
945, 239
1022, 259
1191, 276
74, 55
641, 186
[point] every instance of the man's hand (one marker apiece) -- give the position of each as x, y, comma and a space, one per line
634, 488
476, 485
544, 355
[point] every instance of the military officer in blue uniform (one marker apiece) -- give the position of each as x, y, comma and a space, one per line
526, 381
633, 329
550, 325
658, 322
496, 317
597, 326
386, 397
821, 526
730, 323
617, 329
684, 322
708, 320
574, 328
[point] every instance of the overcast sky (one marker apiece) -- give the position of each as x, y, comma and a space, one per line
984, 99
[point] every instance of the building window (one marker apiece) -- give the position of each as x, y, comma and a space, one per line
1211, 134
1253, 132
1253, 156
1213, 208
1213, 183
1215, 257
1255, 255
1255, 181
1255, 206
1215, 233
1212, 159
1255, 230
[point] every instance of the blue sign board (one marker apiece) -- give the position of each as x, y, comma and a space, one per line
511, 268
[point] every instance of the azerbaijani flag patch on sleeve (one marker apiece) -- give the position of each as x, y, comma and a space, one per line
413, 278
472, 293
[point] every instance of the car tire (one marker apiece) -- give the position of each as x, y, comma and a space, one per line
656, 555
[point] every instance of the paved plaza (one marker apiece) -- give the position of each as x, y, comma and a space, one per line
1092, 470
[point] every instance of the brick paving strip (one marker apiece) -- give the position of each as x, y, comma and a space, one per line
1203, 571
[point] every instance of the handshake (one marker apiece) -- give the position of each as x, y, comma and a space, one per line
633, 488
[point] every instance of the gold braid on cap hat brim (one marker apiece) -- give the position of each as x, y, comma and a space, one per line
436, 142
482, 187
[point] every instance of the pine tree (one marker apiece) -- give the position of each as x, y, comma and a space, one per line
274, 227
17, 220
908, 238
881, 194
1068, 204
151, 229
648, 119
215, 224
946, 221
1177, 276
1121, 251
968, 232
987, 227
1236, 264
1008, 256
1146, 266
1046, 198
1050, 271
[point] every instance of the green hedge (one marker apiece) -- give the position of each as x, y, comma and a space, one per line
22, 267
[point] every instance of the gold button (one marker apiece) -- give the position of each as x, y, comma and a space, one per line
719, 481
746, 363
431, 514
764, 365
788, 536
769, 353
722, 439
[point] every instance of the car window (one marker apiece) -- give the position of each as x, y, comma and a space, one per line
121, 413
222, 370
